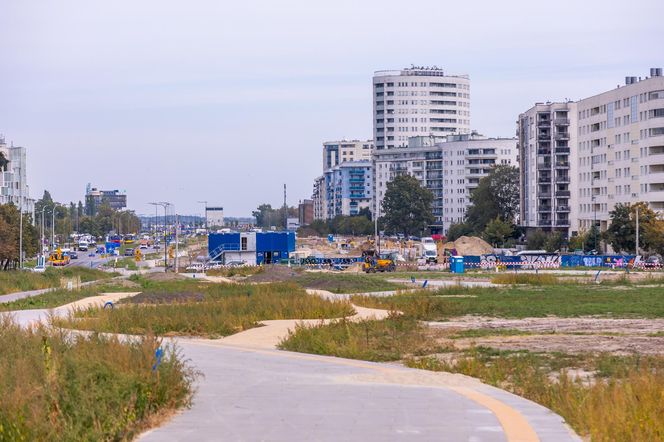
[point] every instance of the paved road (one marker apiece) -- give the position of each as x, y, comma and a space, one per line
250, 394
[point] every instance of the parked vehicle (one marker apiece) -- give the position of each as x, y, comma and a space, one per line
73, 255
429, 250
129, 251
83, 245
374, 262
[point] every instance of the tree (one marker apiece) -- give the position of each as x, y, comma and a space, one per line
621, 234
536, 240
579, 241
496, 196
497, 231
366, 212
10, 235
554, 242
407, 206
457, 230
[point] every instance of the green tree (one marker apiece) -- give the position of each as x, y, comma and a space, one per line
579, 241
407, 206
10, 235
496, 196
366, 212
497, 231
536, 240
554, 242
621, 233
457, 230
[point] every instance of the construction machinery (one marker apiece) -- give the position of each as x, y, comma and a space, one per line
58, 258
378, 262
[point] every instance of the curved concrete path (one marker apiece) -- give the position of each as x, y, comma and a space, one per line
250, 391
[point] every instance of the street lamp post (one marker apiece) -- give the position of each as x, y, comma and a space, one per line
206, 219
165, 205
53, 229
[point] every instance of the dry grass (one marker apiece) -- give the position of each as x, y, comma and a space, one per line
19, 281
224, 309
622, 402
55, 386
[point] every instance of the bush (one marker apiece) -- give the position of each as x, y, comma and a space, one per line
19, 281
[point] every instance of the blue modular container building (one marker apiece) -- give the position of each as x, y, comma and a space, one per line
251, 247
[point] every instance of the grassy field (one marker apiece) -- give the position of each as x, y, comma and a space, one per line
211, 310
388, 340
54, 387
235, 271
565, 300
345, 283
20, 281
620, 400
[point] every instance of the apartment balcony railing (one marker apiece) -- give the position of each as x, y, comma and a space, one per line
562, 209
562, 179
566, 193
561, 136
544, 136
562, 150
542, 123
544, 151
544, 209
562, 222
561, 121
544, 179
544, 222
543, 166
562, 164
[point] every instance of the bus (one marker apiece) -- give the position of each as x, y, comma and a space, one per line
115, 239
129, 239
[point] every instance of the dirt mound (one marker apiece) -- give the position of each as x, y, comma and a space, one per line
165, 298
275, 273
469, 245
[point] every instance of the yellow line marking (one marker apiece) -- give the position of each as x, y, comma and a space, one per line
515, 425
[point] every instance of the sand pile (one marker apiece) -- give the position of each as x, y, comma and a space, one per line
469, 245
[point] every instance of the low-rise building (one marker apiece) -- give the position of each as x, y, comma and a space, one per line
94, 198
253, 248
214, 216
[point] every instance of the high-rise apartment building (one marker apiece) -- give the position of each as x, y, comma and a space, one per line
621, 149
347, 189
449, 167
418, 101
336, 152
547, 149
578, 160
318, 197
13, 178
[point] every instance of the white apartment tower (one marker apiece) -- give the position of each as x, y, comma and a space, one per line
13, 179
547, 150
621, 148
337, 152
418, 101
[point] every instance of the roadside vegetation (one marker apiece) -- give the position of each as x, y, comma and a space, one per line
210, 310
564, 300
59, 387
19, 281
236, 271
372, 340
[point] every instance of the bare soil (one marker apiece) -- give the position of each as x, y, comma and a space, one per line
553, 334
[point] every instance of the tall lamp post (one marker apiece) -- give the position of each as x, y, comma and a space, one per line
53, 229
165, 205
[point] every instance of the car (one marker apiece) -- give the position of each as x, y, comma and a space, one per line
143, 247
73, 255
129, 252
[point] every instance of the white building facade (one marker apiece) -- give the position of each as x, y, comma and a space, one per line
547, 167
621, 149
336, 152
418, 101
13, 178
449, 167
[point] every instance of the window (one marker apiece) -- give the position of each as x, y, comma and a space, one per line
634, 109
243, 243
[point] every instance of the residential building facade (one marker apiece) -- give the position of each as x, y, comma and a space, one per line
450, 167
336, 152
318, 197
418, 101
13, 178
347, 189
547, 167
621, 149
305, 211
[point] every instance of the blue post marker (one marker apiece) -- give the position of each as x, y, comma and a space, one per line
109, 304
424, 285
597, 276
157, 355
412, 279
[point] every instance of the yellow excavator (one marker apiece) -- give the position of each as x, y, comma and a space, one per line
378, 262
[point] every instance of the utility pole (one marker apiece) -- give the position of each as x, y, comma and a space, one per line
285, 210
637, 231
20, 235
177, 229
376, 233
53, 229
165, 205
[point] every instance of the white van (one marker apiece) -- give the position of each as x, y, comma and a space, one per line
430, 249
83, 246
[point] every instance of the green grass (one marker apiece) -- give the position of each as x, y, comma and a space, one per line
226, 309
623, 401
564, 300
235, 271
127, 262
525, 278
56, 298
345, 283
59, 387
373, 340
20, 281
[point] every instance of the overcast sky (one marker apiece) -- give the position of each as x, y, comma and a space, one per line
225, 101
